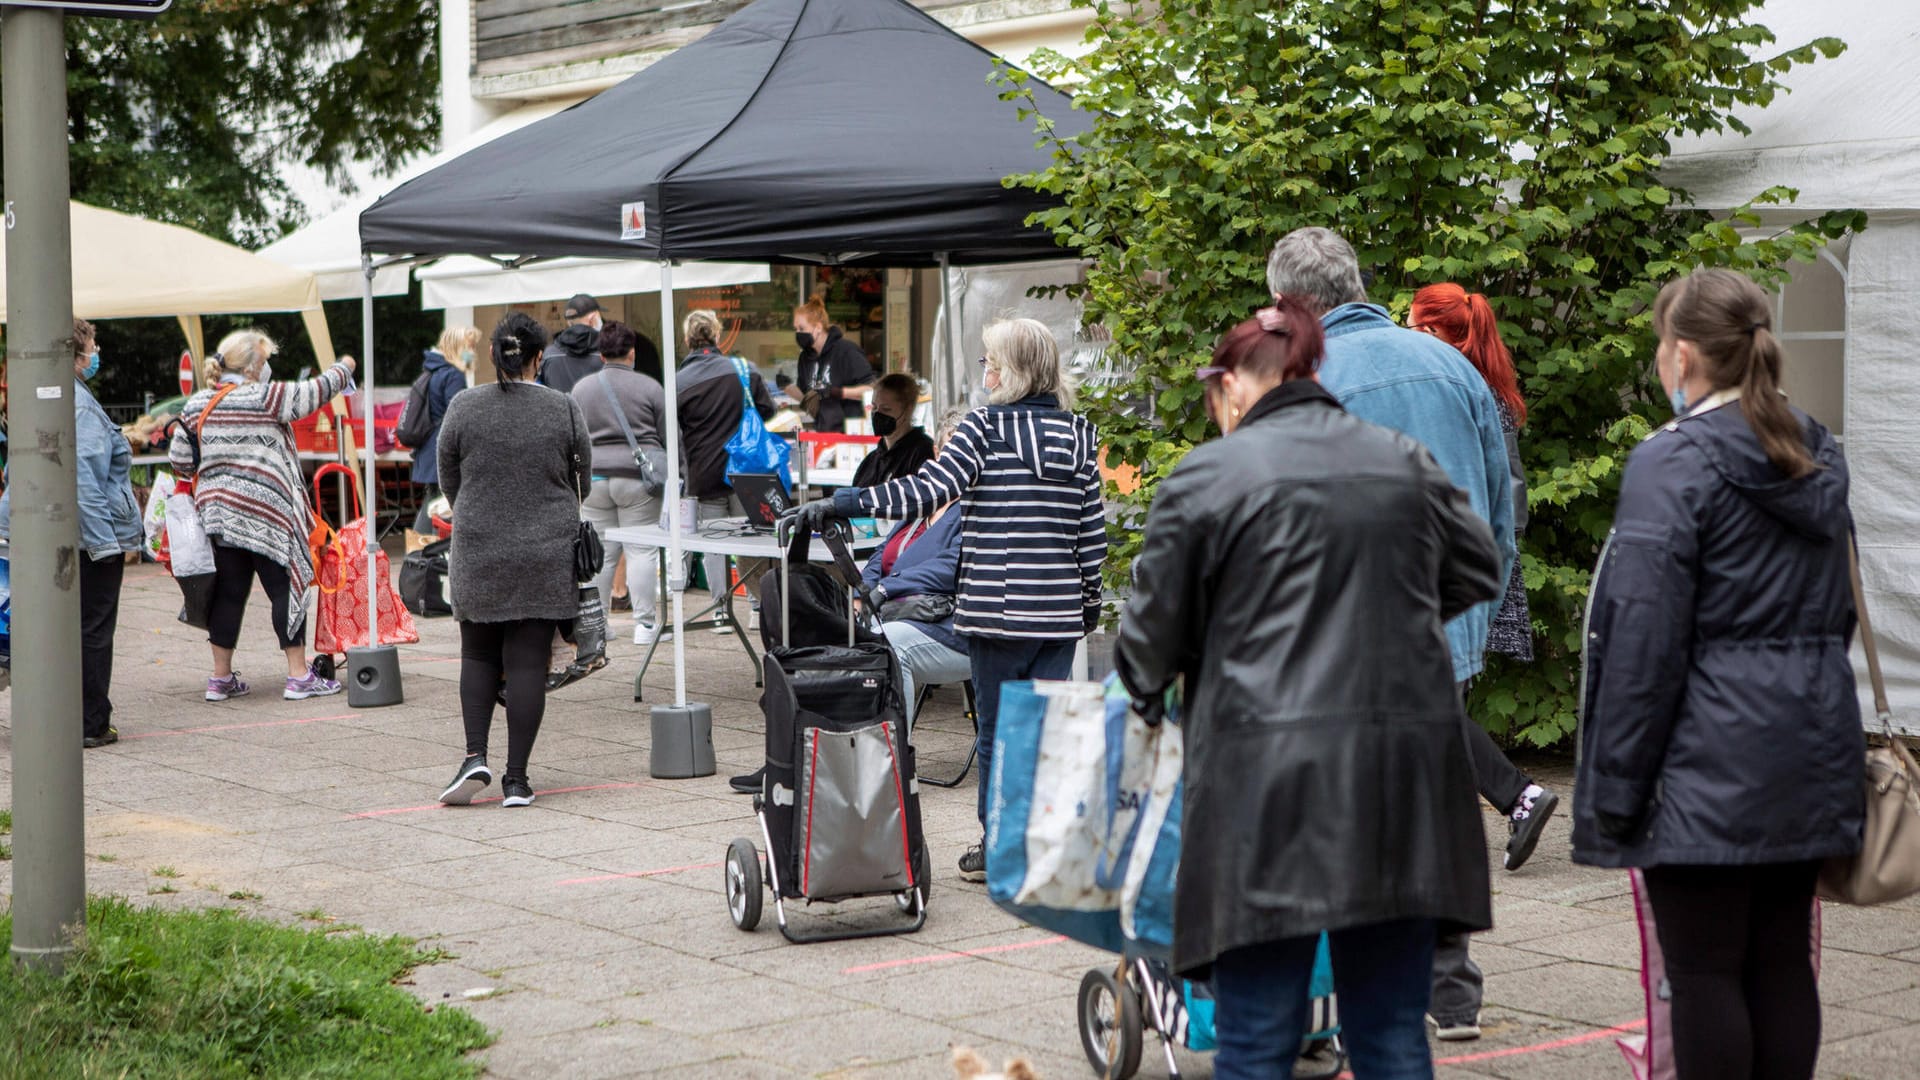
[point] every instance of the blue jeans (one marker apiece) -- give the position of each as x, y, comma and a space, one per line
923, 662
1382, 973
1005, 660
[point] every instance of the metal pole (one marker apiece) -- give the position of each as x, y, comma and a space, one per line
676, 570
947, 385
366, 373
49, 876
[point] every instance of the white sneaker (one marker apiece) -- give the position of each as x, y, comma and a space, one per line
645, 633
753, 619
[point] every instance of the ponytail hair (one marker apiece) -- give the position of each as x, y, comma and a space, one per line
518, 341
238, 352
702, 329
1727, 318
1465, 321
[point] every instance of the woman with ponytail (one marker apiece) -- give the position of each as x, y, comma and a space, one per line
1720, 749
515, 462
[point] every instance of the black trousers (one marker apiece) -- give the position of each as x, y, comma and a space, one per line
517, 651
1738, 947
99, 612
233, 572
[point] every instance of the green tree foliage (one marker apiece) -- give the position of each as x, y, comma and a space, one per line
1509, 147
195, 117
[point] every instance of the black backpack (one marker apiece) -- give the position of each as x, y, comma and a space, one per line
415, 425
423, 576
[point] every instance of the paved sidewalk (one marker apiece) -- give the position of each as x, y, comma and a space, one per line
596, 916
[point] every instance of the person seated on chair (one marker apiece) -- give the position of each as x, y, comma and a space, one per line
903, 447
913, 577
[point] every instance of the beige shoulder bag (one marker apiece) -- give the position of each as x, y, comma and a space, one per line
1888, 866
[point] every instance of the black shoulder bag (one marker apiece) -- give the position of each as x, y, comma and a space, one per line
651, 475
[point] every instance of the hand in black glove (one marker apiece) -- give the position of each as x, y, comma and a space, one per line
810, 515
1089, 618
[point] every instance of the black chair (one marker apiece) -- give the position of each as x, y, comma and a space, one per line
973, 749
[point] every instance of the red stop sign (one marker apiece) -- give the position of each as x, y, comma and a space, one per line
186, 373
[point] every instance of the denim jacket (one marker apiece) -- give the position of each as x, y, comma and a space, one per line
109, 516
1420, 386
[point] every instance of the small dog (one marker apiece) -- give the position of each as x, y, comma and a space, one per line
969, 1066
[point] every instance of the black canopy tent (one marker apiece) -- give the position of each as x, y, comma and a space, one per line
831, 132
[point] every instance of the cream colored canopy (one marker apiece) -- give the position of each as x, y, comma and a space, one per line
125, 267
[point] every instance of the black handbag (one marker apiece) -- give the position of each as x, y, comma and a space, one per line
930, 608
588, 555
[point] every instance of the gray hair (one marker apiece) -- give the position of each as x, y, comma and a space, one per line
702, 329
1025, 354
949, 423
1316, 266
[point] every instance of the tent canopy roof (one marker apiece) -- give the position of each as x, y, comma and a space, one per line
828, 131
1847, 135
126, 267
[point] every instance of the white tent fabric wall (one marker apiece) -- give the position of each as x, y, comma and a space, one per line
468, 281
1883, 442
1848, 137
986, 294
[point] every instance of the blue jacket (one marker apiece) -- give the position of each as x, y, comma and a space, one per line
1720, 723
447, 381
109, 516
930, 565
1420, 386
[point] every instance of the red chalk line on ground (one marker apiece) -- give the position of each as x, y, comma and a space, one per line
236, 727
942, 957
1534, 1048
489, 799
641, 873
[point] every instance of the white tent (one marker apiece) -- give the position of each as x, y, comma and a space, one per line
125, 267
1848, 137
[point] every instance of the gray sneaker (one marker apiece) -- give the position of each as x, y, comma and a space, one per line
312, 684
973, 865
471, 780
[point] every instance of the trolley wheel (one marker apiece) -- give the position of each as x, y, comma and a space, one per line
911, 902
1110, 1028
743, 883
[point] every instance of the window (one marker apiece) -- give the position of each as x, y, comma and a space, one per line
1810, 318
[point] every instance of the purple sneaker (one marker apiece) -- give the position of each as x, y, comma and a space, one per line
309, 685
229, 687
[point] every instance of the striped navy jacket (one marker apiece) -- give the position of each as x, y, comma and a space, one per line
1033, 529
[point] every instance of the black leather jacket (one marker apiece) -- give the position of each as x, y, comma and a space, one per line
1297, 574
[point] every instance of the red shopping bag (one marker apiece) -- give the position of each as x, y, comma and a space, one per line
340, 575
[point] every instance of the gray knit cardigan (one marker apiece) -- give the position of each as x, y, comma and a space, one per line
515, 461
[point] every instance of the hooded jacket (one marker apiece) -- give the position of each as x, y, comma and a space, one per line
1297, 573
572, 355
1033, 527
1421, 386
830, 367
1720, 721
446, 381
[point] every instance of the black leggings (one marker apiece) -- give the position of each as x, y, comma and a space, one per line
1738, 946
233, 572
519, 649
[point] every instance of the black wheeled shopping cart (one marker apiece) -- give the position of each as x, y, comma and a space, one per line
839, 805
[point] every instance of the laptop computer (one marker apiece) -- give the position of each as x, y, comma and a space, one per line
763, 495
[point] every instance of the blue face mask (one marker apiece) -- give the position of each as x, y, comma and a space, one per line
1677, 397
93, 365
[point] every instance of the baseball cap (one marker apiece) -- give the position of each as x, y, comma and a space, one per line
580, 305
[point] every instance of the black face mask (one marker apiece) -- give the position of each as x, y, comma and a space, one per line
884, 425
804, 340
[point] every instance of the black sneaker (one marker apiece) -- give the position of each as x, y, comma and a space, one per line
749, 784
517, 791
106, 738
471, 780
1527, 822
973, 865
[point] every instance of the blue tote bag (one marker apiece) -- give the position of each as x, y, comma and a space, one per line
754, 449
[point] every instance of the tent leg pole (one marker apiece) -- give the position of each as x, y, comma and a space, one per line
682, 743
949, 381
378, 663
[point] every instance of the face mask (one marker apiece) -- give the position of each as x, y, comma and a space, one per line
266, 373
93, 365
1677, 397
803, 339
884, 425
466, 356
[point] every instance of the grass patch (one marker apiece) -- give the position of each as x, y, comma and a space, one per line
6, 821
220, 995
107, 856
165, 872
243, 894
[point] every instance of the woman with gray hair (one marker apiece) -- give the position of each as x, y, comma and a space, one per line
1033, 528
235, 444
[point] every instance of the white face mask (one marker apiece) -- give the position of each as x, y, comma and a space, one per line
266, 373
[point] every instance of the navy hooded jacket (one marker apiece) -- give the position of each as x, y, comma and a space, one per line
1720, 721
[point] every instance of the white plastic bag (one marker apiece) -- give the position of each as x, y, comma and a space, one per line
187, 543
154, 521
